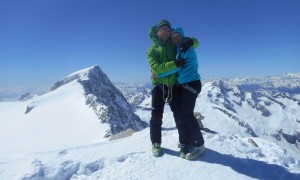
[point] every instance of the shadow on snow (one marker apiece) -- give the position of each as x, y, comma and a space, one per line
249, 167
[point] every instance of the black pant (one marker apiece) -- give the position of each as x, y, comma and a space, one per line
158, 103
187, 101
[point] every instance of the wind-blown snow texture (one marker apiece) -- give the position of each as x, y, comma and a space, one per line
252, 132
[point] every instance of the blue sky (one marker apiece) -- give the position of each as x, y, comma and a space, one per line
42, 41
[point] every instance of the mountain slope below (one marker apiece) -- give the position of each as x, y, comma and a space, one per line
130, 158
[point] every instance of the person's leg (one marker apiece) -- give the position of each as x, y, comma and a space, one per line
188, 100
156, 115
176, 109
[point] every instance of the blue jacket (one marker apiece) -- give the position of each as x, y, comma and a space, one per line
189, 72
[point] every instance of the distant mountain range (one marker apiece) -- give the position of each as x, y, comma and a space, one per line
260, 107
8, 96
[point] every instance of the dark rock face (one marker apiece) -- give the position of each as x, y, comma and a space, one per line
105, 99
28, 109
26, 97
109, 104
291, 138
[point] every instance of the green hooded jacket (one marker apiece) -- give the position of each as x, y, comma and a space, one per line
161, 56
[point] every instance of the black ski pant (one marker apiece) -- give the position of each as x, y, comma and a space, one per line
159, 92
187, 100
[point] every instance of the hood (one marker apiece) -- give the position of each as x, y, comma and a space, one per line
181, 32
178, 30
153, 34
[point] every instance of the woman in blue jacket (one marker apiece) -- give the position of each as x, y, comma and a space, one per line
189, 81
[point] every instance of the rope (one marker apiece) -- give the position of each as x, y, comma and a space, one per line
169, 94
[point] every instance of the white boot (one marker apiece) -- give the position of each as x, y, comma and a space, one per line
195, 152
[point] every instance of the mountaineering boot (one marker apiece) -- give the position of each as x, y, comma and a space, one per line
184, 149
156, 150
195, 152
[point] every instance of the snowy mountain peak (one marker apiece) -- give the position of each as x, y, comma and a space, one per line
105, 99
83, 108
82, 73
78, 75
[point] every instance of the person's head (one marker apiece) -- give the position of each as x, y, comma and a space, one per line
177, 35
163, 30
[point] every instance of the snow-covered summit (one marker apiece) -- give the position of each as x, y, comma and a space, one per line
104, 98
83, 72
78, 75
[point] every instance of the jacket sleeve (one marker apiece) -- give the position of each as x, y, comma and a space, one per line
168, 73
196, 42
155, 66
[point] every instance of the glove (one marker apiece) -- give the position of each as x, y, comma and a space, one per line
186, 44
180, 62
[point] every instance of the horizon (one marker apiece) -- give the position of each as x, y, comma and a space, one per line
14, 95
44, 41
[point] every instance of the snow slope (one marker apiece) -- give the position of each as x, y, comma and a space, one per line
58, 119
226, 156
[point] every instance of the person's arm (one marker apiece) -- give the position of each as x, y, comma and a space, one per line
187, 43
195, 42
167, 73
158, 68
179, 64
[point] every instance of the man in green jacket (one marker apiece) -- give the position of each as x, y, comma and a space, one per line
162, 58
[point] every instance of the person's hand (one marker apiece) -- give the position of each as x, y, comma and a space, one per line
186, 44
153, 76
180, 62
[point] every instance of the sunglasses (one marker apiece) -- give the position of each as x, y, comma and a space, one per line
164, 29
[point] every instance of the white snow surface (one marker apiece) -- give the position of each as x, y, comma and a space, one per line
226, 156
81, 74
58, 119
